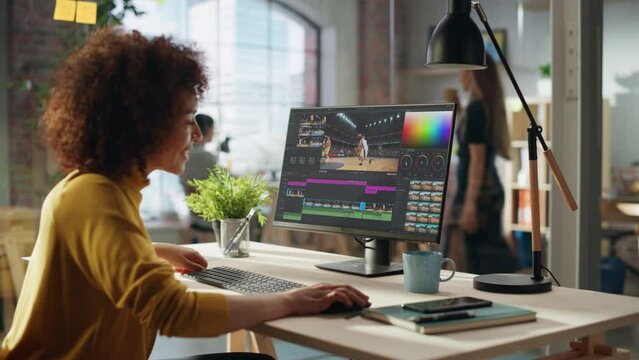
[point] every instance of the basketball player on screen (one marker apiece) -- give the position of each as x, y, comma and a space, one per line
363, 150
326, 147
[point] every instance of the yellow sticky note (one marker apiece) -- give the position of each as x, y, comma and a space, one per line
64, 10
87, 12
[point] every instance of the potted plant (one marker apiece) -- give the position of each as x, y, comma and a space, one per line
544, 84
228, 199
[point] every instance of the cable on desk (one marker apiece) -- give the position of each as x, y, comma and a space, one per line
363, 241
551, 274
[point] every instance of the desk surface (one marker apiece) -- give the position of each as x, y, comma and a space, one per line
562, 314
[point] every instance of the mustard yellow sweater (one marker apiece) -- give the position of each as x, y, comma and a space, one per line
94, 288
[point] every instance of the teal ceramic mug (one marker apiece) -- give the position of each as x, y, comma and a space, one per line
422, 271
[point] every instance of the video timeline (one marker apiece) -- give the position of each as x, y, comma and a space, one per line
348, 209
337, 201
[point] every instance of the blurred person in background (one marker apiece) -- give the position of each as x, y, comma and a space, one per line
199, 164
483, 135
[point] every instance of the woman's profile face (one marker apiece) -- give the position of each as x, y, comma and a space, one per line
465, 79
209, 135
172, 155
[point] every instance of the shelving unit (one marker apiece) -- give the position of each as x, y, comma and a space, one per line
516, 183
517, 216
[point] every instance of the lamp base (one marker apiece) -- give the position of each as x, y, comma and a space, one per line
511, 284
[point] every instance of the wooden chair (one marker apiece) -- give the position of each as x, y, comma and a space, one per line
237, 342
18, 244
15, 217
15, 245
18, 229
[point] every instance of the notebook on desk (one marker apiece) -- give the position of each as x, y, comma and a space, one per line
497, 314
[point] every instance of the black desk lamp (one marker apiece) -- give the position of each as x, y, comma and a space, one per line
457, 44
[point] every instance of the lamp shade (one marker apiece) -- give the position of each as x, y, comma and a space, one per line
456, 42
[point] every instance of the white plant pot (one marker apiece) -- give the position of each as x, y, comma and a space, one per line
544, 88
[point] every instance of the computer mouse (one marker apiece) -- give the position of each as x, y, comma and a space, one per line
339, 307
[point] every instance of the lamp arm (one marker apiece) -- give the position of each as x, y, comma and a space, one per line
552, 162
482, 16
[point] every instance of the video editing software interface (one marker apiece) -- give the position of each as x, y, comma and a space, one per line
367, 170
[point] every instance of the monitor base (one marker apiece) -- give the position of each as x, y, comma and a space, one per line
360, 268
511, 284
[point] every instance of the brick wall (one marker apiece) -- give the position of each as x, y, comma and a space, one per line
374, 54
36, 45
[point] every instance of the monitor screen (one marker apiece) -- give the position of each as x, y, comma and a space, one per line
375, 171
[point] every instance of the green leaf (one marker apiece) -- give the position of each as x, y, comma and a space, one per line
544, 70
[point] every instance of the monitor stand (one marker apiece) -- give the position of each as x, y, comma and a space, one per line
376, 262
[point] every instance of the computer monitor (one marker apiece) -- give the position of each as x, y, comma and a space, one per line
374, 172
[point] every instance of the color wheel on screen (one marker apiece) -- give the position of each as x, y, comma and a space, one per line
430, 130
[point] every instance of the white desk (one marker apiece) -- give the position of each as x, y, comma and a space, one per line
562, 314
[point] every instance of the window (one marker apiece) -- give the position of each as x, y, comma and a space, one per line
262, 58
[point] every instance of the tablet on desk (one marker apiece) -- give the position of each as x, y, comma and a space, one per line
459, 303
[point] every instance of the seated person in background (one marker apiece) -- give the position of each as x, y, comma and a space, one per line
96, 287
197, 167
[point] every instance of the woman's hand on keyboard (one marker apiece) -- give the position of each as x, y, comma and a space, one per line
248, 311
183, 259
317, 298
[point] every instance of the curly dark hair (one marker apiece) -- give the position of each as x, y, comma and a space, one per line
114, 100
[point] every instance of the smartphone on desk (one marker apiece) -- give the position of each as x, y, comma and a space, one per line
459, 303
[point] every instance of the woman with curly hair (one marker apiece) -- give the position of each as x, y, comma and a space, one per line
123, 106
